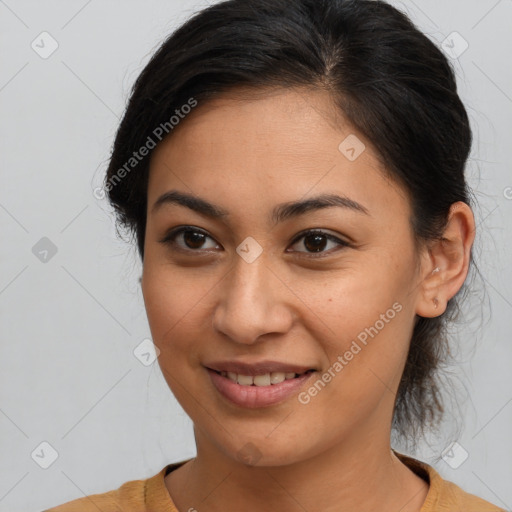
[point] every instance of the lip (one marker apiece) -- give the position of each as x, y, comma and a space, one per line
256, 368
253, 397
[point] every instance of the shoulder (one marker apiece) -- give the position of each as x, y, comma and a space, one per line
444, 495
463, 500
127, 498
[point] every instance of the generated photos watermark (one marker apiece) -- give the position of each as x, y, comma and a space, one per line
158, 133
305, 397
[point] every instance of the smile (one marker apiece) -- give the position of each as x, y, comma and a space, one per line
254, 391
267, 379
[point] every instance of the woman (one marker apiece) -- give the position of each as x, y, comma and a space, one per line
293, 172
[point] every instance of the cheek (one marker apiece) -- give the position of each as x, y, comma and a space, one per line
365, 316
364, 358
349, 300
175, 299
175, 306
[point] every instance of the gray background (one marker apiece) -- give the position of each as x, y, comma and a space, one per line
70, 324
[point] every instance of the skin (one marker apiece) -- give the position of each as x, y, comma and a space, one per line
247, 154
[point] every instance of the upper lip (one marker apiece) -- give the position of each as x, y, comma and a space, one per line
256, 368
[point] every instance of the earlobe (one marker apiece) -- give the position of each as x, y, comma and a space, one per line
446, 267
428, 304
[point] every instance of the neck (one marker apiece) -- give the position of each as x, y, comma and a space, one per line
354, 475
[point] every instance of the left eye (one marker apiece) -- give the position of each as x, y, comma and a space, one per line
316, 241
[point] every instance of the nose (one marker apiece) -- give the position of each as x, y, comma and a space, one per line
252, 301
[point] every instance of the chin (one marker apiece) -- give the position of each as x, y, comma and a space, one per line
263, 452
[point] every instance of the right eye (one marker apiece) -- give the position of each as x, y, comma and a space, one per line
187, 239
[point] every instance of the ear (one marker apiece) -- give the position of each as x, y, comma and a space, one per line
445, 262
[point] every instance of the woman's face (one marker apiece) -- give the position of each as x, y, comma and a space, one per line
252, 292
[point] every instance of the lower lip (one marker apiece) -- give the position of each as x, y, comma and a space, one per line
257, 396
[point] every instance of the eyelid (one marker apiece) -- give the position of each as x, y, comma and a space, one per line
314, 231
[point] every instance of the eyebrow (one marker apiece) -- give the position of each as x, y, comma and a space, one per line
280, 213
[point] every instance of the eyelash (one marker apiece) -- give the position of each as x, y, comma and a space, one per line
170, 240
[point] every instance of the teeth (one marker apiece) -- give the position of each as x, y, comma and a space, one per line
245, 380
262, 380
259, 380
277, 377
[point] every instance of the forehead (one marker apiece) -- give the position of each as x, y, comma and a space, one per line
269, 146
293, 119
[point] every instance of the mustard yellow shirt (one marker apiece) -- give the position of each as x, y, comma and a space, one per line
151, 495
